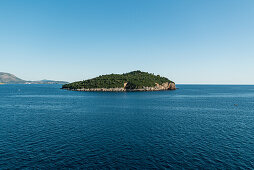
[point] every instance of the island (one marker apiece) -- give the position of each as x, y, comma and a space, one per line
132, 81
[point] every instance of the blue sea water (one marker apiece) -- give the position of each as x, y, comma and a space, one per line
196, 126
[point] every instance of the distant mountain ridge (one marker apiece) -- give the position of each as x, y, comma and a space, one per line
10, 79
7, 78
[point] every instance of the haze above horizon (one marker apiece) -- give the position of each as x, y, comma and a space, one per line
189, 42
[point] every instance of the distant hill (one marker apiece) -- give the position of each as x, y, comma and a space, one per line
132, 81
7, 78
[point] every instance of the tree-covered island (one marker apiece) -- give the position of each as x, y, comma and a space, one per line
132, 81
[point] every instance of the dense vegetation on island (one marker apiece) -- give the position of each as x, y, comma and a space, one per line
134, 80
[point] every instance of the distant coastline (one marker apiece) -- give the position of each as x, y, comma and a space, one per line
7, 78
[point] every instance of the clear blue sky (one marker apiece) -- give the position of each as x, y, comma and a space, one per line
188, 41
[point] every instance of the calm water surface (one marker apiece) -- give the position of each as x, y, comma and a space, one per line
196, 126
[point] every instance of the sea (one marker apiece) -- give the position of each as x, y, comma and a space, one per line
193, 127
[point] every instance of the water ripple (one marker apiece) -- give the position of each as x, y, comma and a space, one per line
195, 127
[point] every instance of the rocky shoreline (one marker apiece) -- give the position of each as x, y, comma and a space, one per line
157, 87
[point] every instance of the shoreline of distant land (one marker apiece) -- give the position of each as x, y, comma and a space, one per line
127, 82
7, 78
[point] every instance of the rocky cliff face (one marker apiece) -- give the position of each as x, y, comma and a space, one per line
157, 87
